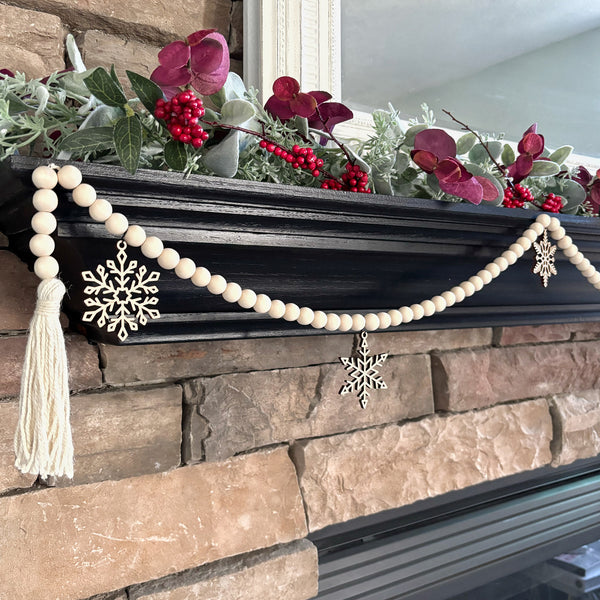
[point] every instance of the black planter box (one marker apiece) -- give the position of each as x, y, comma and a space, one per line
332, 251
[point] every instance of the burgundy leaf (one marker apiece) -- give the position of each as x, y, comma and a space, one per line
206, 56
582, 176
437, 142
424, 160
521, 167
279, 108
532, 143
332, 113
209, 61
198, 36
490, 191
285, 88
303, 105
6, 72
320, 96
175, 54
164, 76
470, 190
594, 195
451, 170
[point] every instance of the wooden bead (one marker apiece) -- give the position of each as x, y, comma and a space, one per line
358, 322
233, 292
530, 235
45, 200
201, 277
584, 265
169, 258
371, 322
69, 177
485, 276
553, 225
247, 299
384, 320
46, 267
468, 288
41, 245
43, 222
407, 314
477, 282
345, 322
116, 224
100, 210
543, 220
502, 263
459, 293
565, 242
44, 178
595, 278
319, 320
428, 308
185, 268
439, 302
277, 309
576, 258
589, 272
525, 243
262, 304
572, 250
305, 315
558, 234
537, 227
418, 311
217, 285
135, 236
84, 195
152, 247
333, 322
396, 317
449, 297
510, 256
292, 312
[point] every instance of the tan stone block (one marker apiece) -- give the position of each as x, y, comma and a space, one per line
417, 342
476, 378
533, 334
585, 331
123, 433
577, 423
84, 370
235, 40
18, 288
158, 21
367, 471
89, 539
31, 42
10, 476
250, 410
102, 49
289, 572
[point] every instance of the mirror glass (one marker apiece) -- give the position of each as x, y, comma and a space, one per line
498, 65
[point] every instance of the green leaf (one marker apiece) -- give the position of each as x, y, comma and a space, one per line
223, 158
236, 112
560, 155
234, 88
146, 90
409, 174
113, 75
382, 185
479, 154
544, 168
508, 155
301, 124
411, 132
176, 155
465, 143
15, 104
127, 135
102, 85
402, 161
91, 139
102, 116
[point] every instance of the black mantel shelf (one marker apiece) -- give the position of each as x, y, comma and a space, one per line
332, 251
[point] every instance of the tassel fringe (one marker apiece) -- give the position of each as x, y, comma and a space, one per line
43, 442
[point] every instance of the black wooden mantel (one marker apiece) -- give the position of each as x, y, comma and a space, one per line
332, 251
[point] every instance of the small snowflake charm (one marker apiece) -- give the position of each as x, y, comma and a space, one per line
120, 294
544, 259
363, 372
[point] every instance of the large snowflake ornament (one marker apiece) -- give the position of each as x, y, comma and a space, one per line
544, 259
363, 372
120, 294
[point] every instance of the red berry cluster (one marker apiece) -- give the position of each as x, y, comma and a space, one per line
516, 198
553, 203
298, 157
353, 180
182, 114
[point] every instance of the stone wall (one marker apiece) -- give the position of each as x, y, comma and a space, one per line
201, 468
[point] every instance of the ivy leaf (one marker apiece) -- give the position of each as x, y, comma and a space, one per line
127, 134
91, 139
544, 168
508, 155
102, 85
176, 155
465, 143
560, 155
147, 91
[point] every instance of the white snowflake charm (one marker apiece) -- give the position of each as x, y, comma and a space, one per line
363, 372
120, 294
544, 259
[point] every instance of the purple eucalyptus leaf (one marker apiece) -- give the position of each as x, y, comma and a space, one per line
437, 142
425, 160
521, 168
175, 54
6, 72
332, 114
594, 195
531, 143
320, 96
279, 108
206, 56
166, 77
285, 88
490, 191
209, 61
451, 170
303, 105
583, 177
470, 190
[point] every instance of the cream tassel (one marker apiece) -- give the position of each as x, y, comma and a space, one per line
43, 443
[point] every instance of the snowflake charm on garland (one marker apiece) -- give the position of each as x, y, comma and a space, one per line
363, 372
120, 295
544, 259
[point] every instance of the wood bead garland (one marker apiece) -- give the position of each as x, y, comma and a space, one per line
41, 245
45, 200
43, 222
